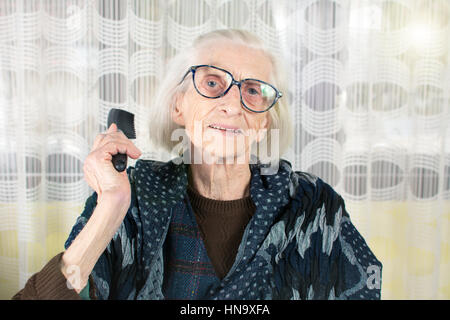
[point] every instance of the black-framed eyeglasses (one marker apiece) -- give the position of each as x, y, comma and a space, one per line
213, 82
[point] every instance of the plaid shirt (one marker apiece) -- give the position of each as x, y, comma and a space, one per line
299, 244
189, 272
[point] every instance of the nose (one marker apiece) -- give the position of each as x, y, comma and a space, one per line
232, 101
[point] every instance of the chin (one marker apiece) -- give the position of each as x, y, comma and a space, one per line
216, 155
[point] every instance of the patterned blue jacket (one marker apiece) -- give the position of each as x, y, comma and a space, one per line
299, 244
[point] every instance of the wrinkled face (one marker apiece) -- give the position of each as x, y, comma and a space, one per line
205, 119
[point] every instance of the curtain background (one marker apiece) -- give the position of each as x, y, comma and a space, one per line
370, 91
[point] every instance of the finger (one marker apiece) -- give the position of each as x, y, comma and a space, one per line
100, 138
97, 141
136, 155
112, 148
114, 137
112, 128
120, 138
134, 152
118, 134
126, 146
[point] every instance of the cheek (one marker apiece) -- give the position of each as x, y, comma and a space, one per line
257, 124
195, 123
192, 113
254, 120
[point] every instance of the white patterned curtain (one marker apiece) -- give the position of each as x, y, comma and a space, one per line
370, 92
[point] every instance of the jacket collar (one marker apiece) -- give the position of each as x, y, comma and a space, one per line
160, 186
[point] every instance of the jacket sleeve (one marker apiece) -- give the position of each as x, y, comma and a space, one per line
358, 266
102, 273
115, 271
317, 252
354, 271
109, 276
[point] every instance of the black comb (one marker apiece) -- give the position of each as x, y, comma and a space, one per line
125, 123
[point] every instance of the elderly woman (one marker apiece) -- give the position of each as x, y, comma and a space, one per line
213, 223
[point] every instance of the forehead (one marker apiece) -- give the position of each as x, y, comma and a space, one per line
242, 61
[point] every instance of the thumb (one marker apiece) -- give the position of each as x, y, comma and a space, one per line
112, 128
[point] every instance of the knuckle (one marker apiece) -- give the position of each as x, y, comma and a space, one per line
109, 137
99, 137
98, 141
119, 133
91, 160
110, 144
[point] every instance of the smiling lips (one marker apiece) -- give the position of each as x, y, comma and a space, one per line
226, 128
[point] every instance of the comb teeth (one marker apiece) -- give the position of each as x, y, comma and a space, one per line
124, 121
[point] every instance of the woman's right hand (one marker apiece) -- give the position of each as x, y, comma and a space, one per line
113, 201
98, 169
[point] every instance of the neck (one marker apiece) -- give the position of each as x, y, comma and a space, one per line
220, 181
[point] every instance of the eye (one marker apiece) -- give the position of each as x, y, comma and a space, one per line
211, 83
252, 91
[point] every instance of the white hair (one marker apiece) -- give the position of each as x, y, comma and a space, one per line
161, 123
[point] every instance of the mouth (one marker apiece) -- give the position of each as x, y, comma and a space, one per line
226, 130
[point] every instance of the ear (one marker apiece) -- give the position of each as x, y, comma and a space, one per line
177, 111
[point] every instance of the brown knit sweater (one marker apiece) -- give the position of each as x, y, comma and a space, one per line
221, 225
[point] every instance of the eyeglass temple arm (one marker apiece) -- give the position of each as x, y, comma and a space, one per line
190, 70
